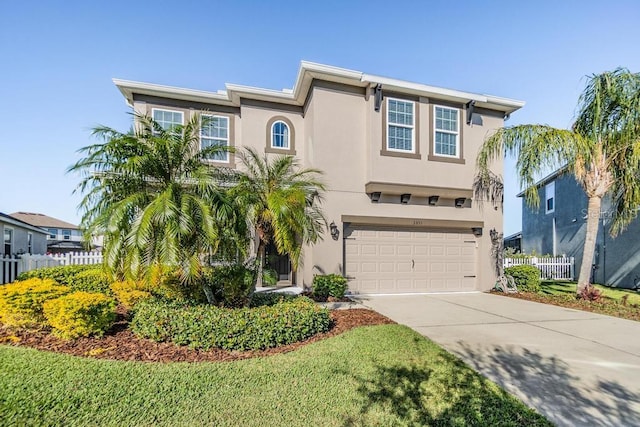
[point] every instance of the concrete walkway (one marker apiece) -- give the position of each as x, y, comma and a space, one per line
576, 368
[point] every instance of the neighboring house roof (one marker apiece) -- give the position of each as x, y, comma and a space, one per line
513, 236
553, 175
18, 223
41, 220
297, 96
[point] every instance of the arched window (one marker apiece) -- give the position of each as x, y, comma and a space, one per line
280, 135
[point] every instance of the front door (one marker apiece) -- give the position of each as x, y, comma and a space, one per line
280, 263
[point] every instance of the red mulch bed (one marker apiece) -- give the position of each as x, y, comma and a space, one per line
603, 306
121, 344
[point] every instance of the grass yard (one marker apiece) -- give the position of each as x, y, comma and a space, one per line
378, 375
551, 287
563, 294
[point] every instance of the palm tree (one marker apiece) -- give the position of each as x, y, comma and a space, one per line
282, 204
153, 197
602, 150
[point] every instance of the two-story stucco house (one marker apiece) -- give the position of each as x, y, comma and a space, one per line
558, 227
399, 161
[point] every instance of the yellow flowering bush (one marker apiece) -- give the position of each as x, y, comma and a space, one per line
129, 293
21, 303
80, 314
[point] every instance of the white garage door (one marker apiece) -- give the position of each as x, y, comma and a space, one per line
403, 261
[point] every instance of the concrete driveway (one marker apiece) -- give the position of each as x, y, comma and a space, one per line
576, 368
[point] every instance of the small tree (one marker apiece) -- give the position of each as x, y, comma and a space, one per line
153, 197
283, 204
602, 151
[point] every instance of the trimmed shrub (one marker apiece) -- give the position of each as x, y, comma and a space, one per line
80, 314
91, 280
129, 293
526, 277
231, 285
205, 326
329, 285
165, 282
269, 298
21, 302
64, 275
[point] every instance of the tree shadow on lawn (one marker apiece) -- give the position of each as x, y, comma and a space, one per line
444, 391
438, 391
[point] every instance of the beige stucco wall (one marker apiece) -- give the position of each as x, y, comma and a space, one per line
338, 132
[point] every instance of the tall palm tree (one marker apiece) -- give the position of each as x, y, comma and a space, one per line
602, 150
152, 196
283, 204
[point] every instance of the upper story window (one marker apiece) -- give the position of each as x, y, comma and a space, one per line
66, 234
53, 233
446, 132
400, 125
167, 118
30, 243
550, 197
215, 132
280, 135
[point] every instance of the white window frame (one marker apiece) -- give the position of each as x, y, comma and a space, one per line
166, 110
11, 240
550, 194
412, 127
66, 236
288, 146
456, 133
227, 139
52, 236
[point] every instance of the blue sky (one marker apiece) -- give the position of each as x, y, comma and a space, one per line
58, 58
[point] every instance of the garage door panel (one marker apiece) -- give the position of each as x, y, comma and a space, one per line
402, 261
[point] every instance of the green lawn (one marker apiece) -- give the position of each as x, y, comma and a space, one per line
380, 375
551, 287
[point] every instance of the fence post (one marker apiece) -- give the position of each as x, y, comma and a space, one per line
572, 272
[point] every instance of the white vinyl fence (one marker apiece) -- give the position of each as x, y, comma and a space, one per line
12, 266
550, 267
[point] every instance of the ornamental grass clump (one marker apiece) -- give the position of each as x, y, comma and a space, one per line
21, 303
80, 314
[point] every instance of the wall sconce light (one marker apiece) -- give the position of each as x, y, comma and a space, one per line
404, 198
375, 196
333, 228
477, 231
433, 200
460, 202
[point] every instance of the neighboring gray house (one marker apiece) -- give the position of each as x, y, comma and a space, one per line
62, 236
19, 237
558, 227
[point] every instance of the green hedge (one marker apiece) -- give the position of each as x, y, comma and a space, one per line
205, 327
526, 277
329, 285
85, 278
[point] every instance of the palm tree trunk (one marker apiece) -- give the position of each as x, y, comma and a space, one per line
260, 263
593, 220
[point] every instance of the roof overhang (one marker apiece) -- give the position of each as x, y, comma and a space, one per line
553, 175
307, 73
